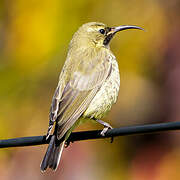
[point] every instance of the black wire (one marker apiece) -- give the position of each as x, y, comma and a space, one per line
85, 135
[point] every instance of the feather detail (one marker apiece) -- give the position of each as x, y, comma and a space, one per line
53, 155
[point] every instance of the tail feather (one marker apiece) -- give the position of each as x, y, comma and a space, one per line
54, 162
53, 155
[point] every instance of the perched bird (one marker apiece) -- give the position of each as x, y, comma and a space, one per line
88, 86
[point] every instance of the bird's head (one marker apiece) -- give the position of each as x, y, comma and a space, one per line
98, 34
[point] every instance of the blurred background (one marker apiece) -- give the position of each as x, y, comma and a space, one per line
34, 37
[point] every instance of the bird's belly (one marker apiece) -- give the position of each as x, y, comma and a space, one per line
106, 96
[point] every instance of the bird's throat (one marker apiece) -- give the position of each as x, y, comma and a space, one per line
108, 39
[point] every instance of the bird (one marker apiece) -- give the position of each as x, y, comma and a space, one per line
88, 86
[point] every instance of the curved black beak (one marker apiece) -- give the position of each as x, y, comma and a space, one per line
112, 31
124, 27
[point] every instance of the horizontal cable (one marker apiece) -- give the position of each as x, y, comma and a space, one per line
85, 135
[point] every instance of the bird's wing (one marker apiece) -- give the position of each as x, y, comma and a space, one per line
72, 98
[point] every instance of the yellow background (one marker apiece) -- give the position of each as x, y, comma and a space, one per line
34, 37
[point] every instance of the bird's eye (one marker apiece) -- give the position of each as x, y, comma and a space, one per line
102, 31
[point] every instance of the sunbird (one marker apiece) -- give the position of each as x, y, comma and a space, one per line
88, 86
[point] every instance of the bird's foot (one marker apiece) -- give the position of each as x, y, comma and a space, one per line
47, 136
106, 127
67, 143
49, 131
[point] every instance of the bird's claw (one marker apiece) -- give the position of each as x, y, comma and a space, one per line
47, 136
112, 139
67, 143
103, 132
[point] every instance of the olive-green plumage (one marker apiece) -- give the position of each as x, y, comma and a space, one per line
88, 85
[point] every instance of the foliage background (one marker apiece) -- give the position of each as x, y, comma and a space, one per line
34, 37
